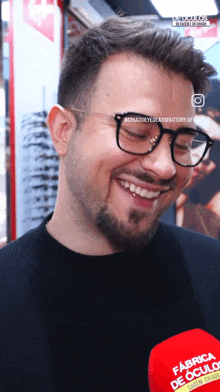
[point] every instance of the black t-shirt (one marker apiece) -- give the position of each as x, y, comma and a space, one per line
71, 322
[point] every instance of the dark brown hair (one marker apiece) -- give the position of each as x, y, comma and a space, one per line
83, 59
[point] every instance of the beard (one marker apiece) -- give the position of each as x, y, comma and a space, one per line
122, 238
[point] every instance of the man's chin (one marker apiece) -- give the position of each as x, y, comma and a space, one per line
122, 237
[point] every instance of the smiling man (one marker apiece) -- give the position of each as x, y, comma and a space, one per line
101, 281
111, 199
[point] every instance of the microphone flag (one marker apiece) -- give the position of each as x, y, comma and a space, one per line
185, 362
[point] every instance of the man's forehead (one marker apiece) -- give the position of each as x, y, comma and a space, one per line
125, 68
130, 78
122, 64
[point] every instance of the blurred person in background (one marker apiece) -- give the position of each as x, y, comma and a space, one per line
198, 207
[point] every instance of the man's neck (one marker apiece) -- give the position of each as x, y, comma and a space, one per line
75, 237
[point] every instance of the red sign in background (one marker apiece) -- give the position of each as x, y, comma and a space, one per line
204, 32
40, 15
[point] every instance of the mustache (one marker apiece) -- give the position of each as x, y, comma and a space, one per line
145, 177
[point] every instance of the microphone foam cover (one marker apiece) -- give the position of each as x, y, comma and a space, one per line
186, 362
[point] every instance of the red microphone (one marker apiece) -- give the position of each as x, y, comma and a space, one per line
186, 362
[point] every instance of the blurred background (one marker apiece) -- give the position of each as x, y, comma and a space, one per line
33, 37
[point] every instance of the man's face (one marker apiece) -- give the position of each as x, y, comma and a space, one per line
103, 181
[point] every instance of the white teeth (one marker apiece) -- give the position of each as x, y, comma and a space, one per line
144, 193
153, 194
132, 187
139, 191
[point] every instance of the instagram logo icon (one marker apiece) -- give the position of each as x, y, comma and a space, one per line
198, 100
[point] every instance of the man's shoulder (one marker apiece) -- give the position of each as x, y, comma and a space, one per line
19, 246
176, 247
185, 251
25, 245
187, 243
24, 253
22, 259
18, 263
167, 229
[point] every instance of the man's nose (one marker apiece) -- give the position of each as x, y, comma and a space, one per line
160, 160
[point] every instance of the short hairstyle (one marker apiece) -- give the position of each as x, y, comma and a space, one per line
83, 59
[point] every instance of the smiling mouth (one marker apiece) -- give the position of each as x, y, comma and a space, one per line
137, 190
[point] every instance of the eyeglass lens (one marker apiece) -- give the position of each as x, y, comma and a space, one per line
140, 134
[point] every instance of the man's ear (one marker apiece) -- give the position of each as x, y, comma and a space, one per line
61, 125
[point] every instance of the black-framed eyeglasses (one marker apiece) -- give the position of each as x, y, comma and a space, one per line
139, 134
